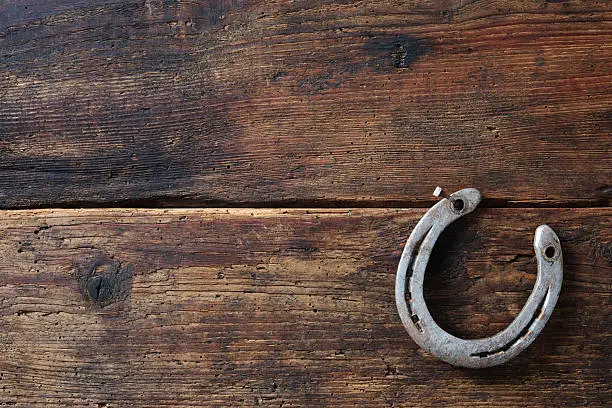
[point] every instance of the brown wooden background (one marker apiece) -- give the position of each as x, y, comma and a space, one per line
307, 135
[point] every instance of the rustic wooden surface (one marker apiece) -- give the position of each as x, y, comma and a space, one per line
304, 103
296, 103
275, 307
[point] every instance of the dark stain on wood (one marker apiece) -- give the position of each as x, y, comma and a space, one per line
395, 51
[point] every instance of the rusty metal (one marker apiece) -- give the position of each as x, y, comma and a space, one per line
417, 320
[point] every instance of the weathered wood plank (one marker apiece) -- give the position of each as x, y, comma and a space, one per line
306, 102
287, 308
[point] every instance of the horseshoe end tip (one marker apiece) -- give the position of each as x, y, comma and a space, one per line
471, 198
474, 194
544, 231
544, 238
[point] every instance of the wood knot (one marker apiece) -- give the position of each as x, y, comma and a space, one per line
103, 280
101, 288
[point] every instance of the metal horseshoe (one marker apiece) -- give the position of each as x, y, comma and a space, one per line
417, 320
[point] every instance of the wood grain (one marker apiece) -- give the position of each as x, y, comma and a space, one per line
287, 308
304, 103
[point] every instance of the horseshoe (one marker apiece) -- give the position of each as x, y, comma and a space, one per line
484, 352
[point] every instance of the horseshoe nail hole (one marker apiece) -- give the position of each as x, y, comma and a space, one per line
458, 204
529, 328
550, 252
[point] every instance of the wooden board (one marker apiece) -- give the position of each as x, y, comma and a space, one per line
307, 103
304, 103
285, 308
